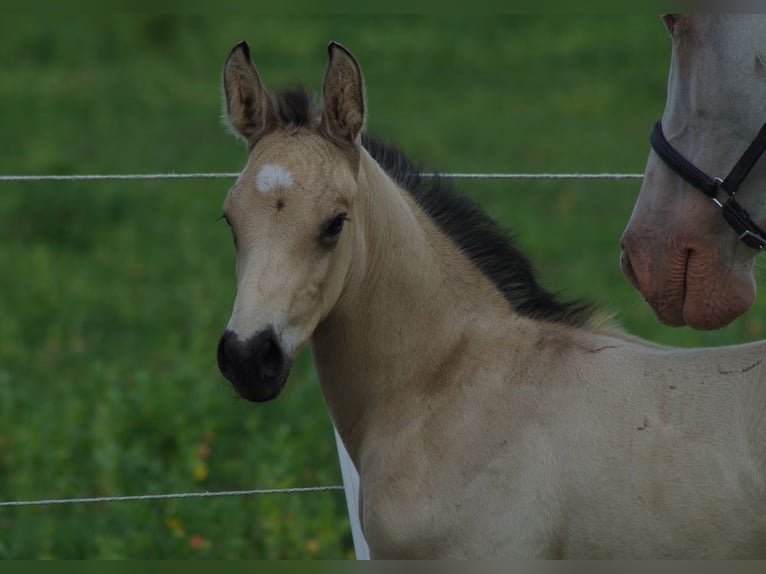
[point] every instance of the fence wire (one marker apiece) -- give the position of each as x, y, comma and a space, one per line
202, 494
224, 175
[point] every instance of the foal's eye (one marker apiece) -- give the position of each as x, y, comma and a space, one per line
228, 222
332, 229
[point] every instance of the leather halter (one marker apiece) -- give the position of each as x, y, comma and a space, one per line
734, 214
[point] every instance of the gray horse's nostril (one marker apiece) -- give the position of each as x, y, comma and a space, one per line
627, 269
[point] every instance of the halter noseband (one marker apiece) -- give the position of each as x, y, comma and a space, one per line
734, 214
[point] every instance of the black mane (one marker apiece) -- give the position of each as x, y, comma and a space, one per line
480, 238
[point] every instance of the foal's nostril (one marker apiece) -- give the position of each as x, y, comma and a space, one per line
225, 354
268, 355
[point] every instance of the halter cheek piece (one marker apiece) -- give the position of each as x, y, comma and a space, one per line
734, 214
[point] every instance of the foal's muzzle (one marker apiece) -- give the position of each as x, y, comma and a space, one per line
257, 367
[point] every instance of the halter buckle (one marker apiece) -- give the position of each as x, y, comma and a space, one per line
753, 240
734, 214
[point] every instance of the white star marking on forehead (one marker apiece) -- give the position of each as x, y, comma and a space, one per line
272, 176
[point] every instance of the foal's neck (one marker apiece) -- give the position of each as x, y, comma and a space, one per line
410, 297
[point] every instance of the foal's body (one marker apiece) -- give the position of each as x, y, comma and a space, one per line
485, 418
478, 432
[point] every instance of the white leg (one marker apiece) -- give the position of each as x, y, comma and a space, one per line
351, 485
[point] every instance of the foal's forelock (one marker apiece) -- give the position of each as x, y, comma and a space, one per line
297, 108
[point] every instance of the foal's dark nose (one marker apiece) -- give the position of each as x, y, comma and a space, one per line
257, 367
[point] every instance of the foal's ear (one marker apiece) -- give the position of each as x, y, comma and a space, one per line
343, 95
248, 104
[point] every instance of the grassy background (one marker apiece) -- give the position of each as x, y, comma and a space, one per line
113, 294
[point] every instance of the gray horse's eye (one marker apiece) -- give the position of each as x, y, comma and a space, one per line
671, 20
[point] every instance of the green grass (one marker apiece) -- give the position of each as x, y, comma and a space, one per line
113, 294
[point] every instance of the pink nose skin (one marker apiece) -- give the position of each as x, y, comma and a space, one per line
689, 288
668, 308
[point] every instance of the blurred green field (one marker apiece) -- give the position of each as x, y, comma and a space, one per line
113, 294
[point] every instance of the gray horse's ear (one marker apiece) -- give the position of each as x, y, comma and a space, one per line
343, 103
248, 106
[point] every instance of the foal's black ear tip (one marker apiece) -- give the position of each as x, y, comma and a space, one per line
243, 47
333, 45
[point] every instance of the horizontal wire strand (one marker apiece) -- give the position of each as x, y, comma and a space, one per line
220, 175
223, 175
202, 494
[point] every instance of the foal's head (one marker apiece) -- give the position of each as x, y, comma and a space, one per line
290, 213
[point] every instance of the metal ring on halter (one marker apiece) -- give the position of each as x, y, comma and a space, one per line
719, 181
748, 233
